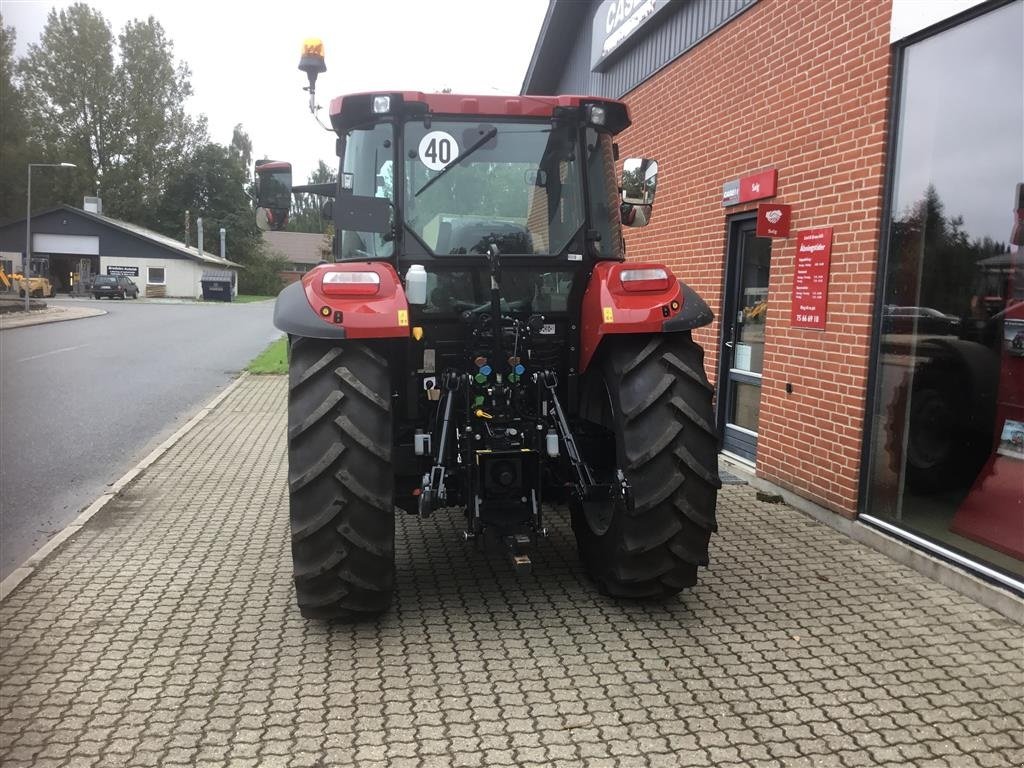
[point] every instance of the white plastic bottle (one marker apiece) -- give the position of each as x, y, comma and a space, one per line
416, 284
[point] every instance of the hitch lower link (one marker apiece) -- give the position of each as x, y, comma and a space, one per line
598, 500
433, 494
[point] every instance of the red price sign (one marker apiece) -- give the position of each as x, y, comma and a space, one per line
810, 282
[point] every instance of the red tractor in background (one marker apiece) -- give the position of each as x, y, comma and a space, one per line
480, 343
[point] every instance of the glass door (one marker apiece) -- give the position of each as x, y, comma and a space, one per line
742, 356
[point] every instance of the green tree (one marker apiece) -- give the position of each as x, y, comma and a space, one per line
123, 124
306, 213
933, 263
14, 132
68, 88
155, 131
211, 184
241, 146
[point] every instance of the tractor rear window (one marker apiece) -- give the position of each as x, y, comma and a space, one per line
516, 184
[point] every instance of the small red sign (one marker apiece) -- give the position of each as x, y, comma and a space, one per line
758, 186
810, 282
773, 219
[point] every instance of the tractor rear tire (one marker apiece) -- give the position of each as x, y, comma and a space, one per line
340, 477
653, 394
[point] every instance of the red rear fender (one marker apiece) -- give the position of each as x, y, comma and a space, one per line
647, 297
351, 300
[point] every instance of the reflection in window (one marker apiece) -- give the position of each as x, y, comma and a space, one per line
521, 188
368, 169
949, 383
604, 194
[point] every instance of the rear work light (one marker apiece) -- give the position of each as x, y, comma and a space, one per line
381, 105
640, 280
351, 284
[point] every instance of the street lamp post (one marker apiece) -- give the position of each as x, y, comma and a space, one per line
27, 261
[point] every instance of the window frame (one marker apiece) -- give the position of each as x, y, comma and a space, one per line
149, 279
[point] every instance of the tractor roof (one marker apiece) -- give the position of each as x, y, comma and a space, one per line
354, 108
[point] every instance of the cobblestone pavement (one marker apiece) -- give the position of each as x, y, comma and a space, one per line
164, 634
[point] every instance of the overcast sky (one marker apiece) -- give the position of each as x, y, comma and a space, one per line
244, 56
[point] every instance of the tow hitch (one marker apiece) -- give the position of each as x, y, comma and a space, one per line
518, 546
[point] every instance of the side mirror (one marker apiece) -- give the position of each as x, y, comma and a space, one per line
639, 180
273, 194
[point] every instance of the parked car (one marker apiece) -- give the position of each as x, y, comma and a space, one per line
921, 320
113, 286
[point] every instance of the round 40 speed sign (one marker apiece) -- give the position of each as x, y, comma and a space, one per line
438, 149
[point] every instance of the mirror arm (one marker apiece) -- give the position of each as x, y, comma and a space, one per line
325, 190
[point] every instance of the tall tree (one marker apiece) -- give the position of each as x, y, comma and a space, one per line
155, 129
933, 263
241, 146
68, 88
14, 133
211, 184
306, 213
124, 124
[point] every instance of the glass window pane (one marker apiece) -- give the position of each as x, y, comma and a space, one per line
746, 405
516, 184
950, 384
756, 255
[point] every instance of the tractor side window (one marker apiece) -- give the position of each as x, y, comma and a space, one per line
604, 194
368, 164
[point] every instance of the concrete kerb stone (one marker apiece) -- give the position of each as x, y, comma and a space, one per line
967, 584
9, 321
18, 575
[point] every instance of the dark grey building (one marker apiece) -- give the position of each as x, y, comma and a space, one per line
69, 244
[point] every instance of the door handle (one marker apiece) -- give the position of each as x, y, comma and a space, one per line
729, 344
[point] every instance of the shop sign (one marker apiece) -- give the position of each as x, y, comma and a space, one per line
773, 219
756, 186
615, 23
122, 271
810, 283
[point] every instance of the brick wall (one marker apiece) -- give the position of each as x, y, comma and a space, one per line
802, 86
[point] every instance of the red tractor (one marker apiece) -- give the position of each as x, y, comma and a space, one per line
479, 342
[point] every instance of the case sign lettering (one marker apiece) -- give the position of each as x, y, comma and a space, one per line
615, 22
810, 281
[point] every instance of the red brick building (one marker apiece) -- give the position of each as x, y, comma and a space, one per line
897, 127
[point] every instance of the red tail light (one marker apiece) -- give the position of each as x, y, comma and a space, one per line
644, 280
350, 284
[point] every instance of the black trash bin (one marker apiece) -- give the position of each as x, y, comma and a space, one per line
218, 286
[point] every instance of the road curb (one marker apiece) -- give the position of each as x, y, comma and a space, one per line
19, 574
75, 312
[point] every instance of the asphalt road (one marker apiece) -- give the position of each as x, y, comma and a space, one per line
82, 401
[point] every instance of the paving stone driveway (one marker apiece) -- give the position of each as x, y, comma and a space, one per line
164, 634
